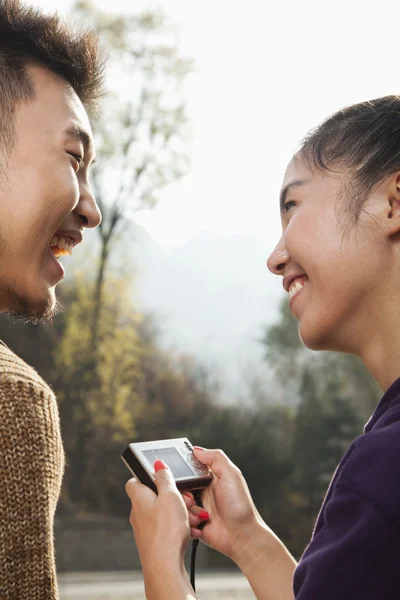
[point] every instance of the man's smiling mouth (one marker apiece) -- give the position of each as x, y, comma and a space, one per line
64, 242
61, 246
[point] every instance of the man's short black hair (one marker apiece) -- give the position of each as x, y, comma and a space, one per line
30, 37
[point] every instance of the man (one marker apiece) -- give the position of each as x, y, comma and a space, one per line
49, 76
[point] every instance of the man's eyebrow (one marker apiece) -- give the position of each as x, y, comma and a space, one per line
284, 192
83, 136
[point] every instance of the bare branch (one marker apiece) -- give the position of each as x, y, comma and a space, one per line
142, 132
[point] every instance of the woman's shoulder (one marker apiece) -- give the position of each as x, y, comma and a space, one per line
372, 470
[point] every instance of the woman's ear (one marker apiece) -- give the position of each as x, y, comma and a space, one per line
393, 206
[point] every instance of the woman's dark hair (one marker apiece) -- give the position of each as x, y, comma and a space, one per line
364, 139
30, 37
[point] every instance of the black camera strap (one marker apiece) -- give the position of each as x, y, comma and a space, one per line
195, 543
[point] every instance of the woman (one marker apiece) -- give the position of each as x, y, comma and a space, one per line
339, 257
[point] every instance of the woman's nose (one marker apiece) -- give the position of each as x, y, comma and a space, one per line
278, 259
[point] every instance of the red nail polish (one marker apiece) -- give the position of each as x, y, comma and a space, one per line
158, 465
203, 515
187, 495
198, 448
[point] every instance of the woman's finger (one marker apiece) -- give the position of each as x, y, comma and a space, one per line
194, 521
216, 460
139, 493
200, 513
195, 533
130, 487
196, 513
163, 478
188, 499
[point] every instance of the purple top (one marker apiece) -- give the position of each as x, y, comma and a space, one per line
355, 547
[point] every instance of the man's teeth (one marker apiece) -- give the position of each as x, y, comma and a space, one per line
61, 246
295, 287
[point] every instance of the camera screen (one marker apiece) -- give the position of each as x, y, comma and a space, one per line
173, 459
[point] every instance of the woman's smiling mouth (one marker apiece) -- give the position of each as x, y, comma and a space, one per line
296, 286
293, 285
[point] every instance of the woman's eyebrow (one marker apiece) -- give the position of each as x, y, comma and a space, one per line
285, 190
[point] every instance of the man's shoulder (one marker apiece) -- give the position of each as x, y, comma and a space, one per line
14, 369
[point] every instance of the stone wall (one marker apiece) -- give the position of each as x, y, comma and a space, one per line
107, 544
95, 544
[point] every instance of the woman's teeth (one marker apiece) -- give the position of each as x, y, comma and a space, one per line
61, 246
296, 286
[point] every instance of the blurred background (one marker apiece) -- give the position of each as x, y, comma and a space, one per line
172, 325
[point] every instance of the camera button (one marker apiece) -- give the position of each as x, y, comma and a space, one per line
193, 461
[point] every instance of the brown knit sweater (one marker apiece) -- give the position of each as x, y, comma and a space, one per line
31, 468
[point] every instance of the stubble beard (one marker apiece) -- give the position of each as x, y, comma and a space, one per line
19, 307
23, 310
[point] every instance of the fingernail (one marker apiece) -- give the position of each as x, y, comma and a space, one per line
187, 495
158, 465
203, 515
198, 448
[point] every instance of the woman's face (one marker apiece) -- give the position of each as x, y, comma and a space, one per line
331, 273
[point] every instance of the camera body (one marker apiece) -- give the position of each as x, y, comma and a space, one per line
188, 472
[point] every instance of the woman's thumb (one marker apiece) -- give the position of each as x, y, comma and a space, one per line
205, 456
163, 477
216, 460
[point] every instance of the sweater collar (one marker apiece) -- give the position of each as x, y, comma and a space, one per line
390, 397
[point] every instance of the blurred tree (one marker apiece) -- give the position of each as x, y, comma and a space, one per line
97, 399
177, 394
289, 358
259, 442
309, 437
143, 133
31, 342
133, 391
335, 395
325, 424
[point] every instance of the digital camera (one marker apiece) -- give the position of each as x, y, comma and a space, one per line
188, 472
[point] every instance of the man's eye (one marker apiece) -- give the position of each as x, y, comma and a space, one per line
78, 158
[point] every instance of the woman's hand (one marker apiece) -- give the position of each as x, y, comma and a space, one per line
161, 528
235, 527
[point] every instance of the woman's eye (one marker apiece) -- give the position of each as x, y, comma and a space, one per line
289, 204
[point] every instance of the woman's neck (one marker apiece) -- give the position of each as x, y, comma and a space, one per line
381, 353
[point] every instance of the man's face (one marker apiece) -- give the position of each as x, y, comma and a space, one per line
45, 196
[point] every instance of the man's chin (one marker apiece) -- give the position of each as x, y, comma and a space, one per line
25, 309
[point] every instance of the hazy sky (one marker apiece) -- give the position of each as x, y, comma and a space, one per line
266, 73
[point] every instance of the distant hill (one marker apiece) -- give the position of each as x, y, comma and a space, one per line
212, 296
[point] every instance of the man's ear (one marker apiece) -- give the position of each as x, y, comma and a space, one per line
393, 205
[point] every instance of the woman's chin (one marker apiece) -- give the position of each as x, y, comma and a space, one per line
315, 338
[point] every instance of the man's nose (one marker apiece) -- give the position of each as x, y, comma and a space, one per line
87, 209
278, 258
